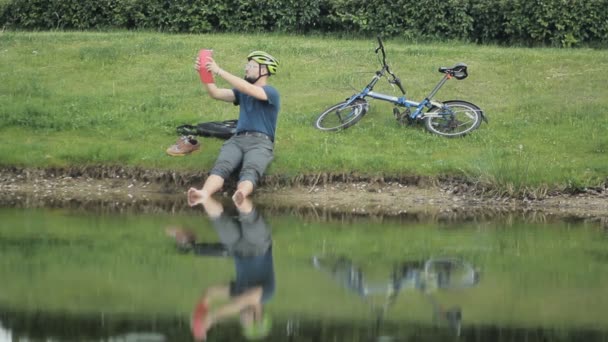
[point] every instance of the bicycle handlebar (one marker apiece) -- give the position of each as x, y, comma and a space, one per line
385, 66
381, 48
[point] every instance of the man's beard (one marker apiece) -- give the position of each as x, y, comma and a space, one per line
250, 79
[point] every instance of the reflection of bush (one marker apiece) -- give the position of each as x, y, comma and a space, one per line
294, 328
90, 327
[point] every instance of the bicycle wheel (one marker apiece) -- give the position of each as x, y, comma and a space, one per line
454, 119
336, 117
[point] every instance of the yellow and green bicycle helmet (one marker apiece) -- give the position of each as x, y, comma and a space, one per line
264, 58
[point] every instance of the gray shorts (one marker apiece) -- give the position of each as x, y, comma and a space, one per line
249, 235
253, 154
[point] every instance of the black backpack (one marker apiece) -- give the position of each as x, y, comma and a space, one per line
215, 129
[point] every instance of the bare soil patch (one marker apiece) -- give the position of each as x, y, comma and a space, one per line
165, 190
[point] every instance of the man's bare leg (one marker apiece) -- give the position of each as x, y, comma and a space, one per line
211, 186
243, 190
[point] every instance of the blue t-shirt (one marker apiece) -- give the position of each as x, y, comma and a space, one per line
247, 238
252, 272
256, 115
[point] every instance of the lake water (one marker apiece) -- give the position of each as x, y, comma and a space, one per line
104, 274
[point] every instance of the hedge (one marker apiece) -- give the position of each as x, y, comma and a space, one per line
525, 22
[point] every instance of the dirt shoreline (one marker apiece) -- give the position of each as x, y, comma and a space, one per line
124, 188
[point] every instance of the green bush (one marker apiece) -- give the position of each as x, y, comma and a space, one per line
532, 22
61, 14
448, 19
557, 22
527, 22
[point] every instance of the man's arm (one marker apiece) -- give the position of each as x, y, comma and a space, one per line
213, 91
222, 94
237, 82
242, 85
219, 292
250, 297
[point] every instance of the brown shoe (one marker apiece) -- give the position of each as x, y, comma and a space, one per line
183, 146
183, 238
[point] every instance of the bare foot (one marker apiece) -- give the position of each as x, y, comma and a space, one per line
245, 207
238, 197
196, 197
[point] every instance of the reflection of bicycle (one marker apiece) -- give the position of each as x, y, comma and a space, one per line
424, 276
449, 119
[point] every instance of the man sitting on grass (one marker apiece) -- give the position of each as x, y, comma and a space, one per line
252, 146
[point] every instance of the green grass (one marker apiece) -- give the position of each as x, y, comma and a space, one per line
73, 98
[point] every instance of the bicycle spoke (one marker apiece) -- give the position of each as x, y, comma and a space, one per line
457, 119
338, 116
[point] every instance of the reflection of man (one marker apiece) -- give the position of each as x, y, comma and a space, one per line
247, 239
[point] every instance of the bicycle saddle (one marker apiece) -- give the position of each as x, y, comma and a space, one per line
458, 71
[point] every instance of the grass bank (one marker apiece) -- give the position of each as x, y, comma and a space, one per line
73, 98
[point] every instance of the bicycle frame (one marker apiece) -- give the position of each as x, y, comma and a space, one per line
453, 118
401, 101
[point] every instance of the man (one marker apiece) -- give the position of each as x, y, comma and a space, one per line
247, 238
252, 146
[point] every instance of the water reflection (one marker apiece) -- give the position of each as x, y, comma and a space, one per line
69, 275
246, 238
426, 277
175, 204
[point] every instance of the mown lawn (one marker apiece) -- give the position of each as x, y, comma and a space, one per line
115, 98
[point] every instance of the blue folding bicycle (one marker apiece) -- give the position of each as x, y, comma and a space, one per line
452, 118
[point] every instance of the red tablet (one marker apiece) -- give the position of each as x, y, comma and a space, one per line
206, 76
197, 322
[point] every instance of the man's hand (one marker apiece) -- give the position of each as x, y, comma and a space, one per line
209, 64
212, 67
197, 64
215, 92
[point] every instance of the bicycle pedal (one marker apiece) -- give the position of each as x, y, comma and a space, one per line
396, 113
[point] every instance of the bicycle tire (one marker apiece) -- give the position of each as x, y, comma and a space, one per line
332, 119
455, 119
